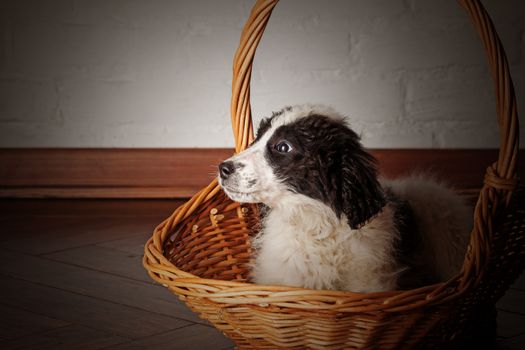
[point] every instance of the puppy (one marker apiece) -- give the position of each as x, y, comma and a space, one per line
329, 222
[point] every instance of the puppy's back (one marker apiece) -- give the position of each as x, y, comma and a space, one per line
443, 224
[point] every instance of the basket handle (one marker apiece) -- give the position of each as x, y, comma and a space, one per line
505, 168
500, 178
241, 114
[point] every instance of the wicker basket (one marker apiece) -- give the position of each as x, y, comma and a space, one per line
201, 252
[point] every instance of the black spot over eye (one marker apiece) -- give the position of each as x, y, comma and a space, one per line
283, 147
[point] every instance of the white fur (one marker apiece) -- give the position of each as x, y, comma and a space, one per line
304, 244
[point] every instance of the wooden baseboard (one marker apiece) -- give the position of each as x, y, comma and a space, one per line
180, 173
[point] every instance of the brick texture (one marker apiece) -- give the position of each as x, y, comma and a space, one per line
156, 73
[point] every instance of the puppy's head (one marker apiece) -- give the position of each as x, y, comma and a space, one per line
309, 151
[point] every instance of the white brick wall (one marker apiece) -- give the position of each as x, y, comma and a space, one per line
157, 73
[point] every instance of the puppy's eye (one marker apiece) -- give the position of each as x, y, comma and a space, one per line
283, 147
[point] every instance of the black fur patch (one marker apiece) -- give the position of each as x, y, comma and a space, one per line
328, 163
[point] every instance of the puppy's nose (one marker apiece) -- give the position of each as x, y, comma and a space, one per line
226, 169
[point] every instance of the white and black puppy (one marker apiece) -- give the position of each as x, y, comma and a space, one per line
329, 222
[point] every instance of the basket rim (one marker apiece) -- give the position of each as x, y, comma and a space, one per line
229, 293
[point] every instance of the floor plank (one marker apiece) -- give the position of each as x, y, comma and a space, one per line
16, 323
72, 337
146, 296
520, 283
132, 245
192, 337
82, 310
513, 301
515, 343
86, 231
111, 208
510, 324
103, 259
18, 228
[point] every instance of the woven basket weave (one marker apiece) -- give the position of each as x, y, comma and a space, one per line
202, 250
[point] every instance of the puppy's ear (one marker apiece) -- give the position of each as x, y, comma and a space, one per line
264, 125
359, 194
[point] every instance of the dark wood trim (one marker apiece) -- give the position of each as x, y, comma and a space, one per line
179, 173
107, 173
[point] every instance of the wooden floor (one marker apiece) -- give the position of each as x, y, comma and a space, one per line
71, 278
